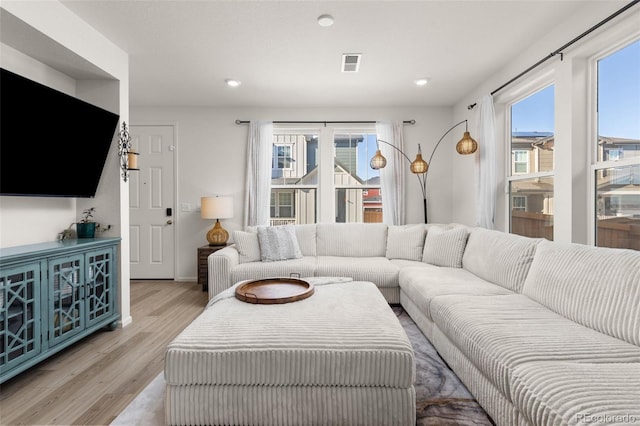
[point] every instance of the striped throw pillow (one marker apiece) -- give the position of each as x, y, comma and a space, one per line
445, 247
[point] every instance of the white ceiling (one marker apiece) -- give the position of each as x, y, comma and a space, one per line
181, 51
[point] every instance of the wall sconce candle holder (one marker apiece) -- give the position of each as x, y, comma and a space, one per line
128, 157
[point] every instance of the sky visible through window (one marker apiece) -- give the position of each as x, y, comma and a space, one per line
365, 153
618, 103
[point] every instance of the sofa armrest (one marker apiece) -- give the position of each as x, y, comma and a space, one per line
220, 264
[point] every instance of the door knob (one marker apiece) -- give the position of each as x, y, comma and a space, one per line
169, 222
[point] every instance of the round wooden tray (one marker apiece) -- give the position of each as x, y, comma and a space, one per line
274, 290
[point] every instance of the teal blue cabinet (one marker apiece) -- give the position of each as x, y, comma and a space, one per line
20, 314
52, 295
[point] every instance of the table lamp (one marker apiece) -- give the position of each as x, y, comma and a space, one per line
217, 208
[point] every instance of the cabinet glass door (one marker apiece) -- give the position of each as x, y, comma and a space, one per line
66, 306
19, 315
100, 288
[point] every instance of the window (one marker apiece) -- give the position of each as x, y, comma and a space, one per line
531, 188
282, 205
301, 183
281, 157
616, 168
294, 178
357, 185
520, 162
615, 154
519, 203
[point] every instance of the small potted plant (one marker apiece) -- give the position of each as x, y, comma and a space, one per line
86, 228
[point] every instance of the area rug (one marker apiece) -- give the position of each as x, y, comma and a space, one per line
441, 399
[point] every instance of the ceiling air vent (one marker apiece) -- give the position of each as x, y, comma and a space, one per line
351, 62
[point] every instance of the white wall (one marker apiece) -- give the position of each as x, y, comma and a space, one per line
26, 220
211, 157
571, 221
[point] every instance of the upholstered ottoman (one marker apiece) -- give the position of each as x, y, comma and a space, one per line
339, 357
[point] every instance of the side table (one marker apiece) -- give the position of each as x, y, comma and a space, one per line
203, 268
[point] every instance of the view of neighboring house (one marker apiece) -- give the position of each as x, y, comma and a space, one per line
618, 188
618, 194
295, 184
532, 152
532, 197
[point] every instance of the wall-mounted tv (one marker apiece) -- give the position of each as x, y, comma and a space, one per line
51, 144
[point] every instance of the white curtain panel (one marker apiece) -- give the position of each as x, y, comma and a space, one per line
486, 164
258, 188
392, 176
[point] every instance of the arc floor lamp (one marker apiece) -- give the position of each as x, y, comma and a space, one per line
465, 146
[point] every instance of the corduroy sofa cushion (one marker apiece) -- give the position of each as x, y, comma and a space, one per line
498, 333
378, 270
423, 283
566, 393
445, 247
303, 267
351, 239
405, 242
594, 286
499, 257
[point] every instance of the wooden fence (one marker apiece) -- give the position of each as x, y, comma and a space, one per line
619, 232
535, 225
616, 232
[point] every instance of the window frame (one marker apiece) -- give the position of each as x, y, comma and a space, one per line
351, 129
596, 165
325, 187
275, 156
295, 129
527, 88
524, 204
514, 163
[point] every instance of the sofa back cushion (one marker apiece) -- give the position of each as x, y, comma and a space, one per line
593, 286
351, 239
405, 242
306, 238
499, 257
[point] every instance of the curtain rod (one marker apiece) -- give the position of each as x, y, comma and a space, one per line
326, 122
560, 49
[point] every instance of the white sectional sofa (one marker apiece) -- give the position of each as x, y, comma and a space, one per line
541, 333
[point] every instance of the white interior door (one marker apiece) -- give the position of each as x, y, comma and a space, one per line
151, 203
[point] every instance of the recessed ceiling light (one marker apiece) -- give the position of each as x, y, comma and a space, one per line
421, 82
325, 20
232, 83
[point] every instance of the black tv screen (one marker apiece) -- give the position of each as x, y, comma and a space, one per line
51, 144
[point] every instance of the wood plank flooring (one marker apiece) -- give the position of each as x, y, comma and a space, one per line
92, 381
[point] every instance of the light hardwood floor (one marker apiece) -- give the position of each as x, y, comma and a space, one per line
92, 381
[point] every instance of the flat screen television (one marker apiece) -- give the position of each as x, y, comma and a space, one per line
51, 144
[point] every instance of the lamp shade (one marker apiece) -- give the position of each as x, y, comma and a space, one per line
378, 161
418, 165
216, 207
466, 145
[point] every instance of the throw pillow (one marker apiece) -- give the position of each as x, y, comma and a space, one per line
278, 243
247, 245
445, 247
405, 242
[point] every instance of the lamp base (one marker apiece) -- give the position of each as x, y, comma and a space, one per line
217, 236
